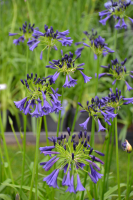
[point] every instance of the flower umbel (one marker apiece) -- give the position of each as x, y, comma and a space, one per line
66, 65
96, 43
25, 33
118, 11
49, 39
71, 156
99, 110
118, 71
41, 98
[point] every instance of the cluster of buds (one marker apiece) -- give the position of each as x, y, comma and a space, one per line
25, 33
41, 98
127, 147
71, 156
66, 65
96, 43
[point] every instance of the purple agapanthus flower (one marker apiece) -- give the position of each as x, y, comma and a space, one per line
42, 99
97, 44
66, 65
48, 39
99, 110
25, 33
67, 153
118, 72
118, 11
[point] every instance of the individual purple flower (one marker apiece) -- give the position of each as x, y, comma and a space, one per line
100, 127
97, 45
48, 39
66, 65
38, 102
70, 154
25, 33
118, 11
117, 70
84, 124
95, 174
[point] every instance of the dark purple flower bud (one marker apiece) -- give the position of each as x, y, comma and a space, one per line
68, 130
72, 156
90, 151
85, 134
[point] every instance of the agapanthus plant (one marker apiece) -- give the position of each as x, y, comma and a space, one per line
49, 39
41, 98
118, 71
96, 43
118, 11
99, 110
25, 33
71, 156
66, 65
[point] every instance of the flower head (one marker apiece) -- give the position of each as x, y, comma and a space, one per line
96, 43
66, 65
25, 33
41, 98
48, 39
71, 156
127, 147
118, 11
118, 71
98, 109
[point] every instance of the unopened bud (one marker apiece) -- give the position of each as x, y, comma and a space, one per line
127, 147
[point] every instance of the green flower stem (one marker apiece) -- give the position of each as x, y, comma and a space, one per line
106, 162
37, 149
76, 113
128, 174
98, 66
12, 127
59, 118
87, 167
115, 43
117, 158
2, 168
24, 150
5, 149
27, 56
45, 120
35, 167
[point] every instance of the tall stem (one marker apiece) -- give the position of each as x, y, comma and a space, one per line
59, 118
96, 88
106, 162
45, 120
37, 149
35, 167
5, 149
76, 113
115, 42
128, 174
117, 158
87, 167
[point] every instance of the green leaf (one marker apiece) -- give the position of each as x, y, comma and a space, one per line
89, 195
5, 197
113, 189
2, 187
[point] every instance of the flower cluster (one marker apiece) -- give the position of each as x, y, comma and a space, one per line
41, 98
25, 33
98, 108
118, 71
71, 156
117, 10
49, 39
127, 147
66, 65
97, 44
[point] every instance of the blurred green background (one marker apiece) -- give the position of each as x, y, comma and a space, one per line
76, 16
